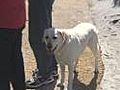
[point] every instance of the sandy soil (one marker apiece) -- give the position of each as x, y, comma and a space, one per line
67, 14
107, 20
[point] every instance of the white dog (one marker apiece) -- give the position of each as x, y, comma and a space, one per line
68, 44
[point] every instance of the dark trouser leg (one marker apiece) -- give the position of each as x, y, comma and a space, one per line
4, 83
18, 76
11, 65
4, 60
40, 18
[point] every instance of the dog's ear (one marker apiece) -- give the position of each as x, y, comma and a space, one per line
63, 35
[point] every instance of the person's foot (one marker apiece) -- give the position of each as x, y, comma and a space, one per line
34, 84
39, 81
54, 74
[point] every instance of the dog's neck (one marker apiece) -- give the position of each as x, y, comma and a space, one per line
58, 49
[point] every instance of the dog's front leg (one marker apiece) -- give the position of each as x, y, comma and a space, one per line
71, 76
62, 68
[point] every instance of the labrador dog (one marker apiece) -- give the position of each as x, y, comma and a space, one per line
68, 44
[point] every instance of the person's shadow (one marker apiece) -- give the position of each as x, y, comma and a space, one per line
77, 85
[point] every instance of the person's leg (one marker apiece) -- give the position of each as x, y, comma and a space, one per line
14, 65
5, 47
40, 19
4, 83
18, 75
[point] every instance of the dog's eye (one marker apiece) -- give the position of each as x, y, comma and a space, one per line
46, 37
54, 37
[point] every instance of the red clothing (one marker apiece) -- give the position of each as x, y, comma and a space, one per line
12, 13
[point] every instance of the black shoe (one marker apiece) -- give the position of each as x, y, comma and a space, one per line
39, 81
35, 84
54, 74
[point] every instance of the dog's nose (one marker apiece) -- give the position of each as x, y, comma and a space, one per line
49, 45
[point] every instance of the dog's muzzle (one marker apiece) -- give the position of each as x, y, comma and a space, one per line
50, 48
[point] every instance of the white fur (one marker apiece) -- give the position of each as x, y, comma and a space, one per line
70, 44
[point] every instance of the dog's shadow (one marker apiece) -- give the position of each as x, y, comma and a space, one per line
77, 85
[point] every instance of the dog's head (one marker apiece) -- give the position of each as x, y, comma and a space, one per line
52, 38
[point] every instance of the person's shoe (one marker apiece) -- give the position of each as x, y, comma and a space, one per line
54, 74
38, 82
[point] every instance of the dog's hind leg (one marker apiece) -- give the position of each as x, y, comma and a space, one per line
70, 76
75, 65
93, 45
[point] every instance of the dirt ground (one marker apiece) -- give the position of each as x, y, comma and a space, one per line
107, 19
66, 14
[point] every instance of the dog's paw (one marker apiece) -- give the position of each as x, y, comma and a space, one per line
61, 86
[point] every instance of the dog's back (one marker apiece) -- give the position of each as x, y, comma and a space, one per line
81, 29
85, 27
